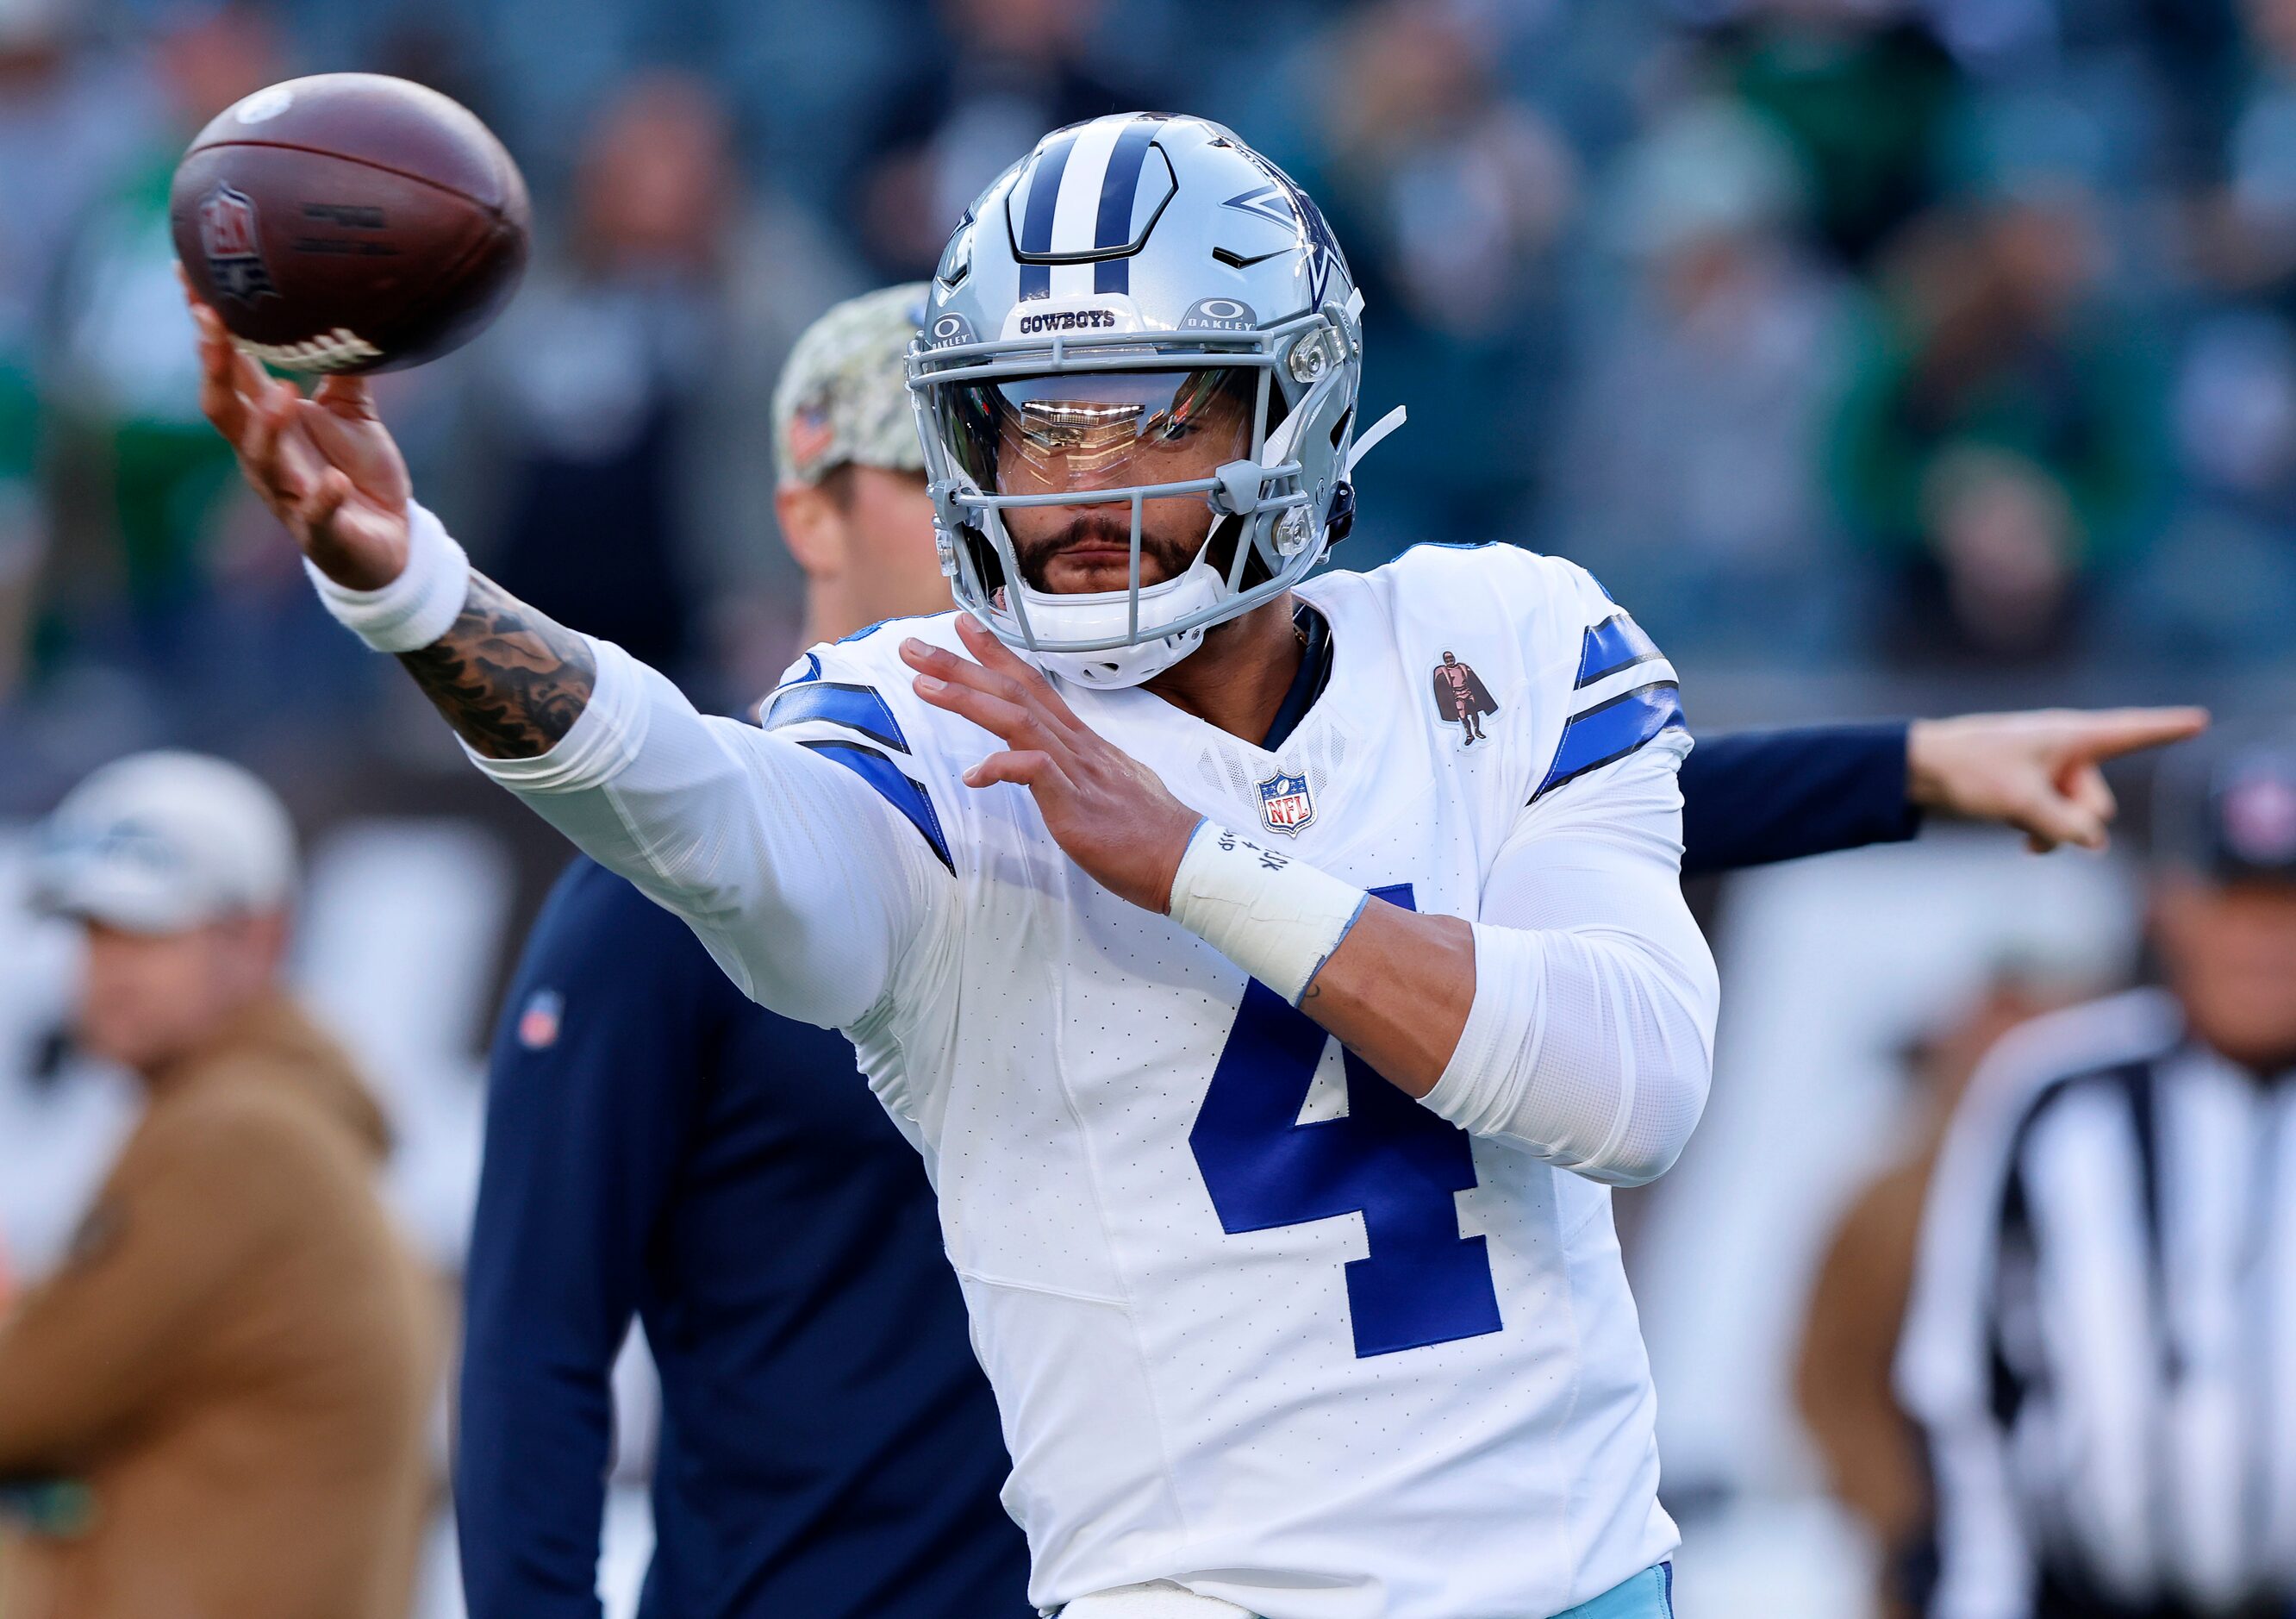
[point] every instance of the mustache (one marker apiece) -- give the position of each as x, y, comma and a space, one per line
1101, 527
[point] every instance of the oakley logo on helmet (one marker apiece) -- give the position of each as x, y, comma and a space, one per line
947, 331
1219, 315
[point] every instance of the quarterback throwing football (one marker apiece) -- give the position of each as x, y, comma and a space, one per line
1272, 1028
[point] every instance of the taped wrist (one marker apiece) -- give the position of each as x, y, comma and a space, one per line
1277, 918
417, 607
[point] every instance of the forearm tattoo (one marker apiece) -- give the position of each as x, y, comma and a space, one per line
511, 681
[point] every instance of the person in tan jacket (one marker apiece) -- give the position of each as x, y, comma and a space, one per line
234, 1366
1871, 1449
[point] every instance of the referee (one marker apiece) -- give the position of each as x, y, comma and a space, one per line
829, 1447
2101, 1344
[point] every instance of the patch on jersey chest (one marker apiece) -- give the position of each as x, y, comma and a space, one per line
1461, 699
1285, 803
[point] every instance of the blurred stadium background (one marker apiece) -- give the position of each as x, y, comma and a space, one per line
1885, 357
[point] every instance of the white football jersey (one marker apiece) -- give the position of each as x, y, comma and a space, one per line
1258, 1323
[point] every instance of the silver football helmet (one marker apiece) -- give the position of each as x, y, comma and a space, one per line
1135, 282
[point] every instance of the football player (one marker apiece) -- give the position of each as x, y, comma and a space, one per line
644, 1121
1272, 1050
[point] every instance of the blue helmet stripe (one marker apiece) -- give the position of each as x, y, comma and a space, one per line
1120, 189
1036, 224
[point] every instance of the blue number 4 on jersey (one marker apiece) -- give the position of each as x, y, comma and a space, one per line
1388, 1158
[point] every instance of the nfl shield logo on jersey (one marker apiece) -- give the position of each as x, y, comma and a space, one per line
1285, 804
234, 255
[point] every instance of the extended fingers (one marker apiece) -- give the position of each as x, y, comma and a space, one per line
278, 459
1028, 767
940, 663
994, 654
2113, 731
222, 399
1011, 721
984, 709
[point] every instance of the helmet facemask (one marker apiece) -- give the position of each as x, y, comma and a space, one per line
1249, 428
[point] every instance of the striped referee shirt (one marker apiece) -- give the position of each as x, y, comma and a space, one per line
2102, 1339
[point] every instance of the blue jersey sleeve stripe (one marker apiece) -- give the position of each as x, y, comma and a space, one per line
894, 787
856, 707
1612, 730
1617, 643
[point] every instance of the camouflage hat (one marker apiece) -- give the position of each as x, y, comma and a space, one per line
843, 394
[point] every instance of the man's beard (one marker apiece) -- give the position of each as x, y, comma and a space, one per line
1161, 557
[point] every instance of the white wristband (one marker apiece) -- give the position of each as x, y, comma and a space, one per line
417, 607
1277, 919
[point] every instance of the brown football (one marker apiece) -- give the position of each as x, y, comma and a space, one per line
349, 222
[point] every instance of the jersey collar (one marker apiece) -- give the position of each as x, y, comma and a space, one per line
1313, 675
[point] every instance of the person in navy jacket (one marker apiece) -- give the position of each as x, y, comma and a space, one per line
829, 1449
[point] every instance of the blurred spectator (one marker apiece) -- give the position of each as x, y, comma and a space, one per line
1684, 475
1461, 192
62, 1113
72, 113
852, 499
147, 472
1450, 200
1865, 91
236, 1358
1871, 1449
2102, 1318
2220, 590
615, 428
23, 516
1011, 69
1999, 444
2245, 226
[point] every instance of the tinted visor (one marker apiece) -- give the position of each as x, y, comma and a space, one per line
1101, 429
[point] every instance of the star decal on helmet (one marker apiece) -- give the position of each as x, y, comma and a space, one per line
1282, 201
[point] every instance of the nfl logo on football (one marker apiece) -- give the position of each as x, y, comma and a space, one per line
1285, 804
227, 234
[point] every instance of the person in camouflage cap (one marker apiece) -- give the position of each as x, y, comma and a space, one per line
852, 499
645, 1120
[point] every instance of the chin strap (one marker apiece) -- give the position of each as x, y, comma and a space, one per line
1366, 442
1285, 440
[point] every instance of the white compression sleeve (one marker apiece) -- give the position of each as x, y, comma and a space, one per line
803, 883
1590, 1041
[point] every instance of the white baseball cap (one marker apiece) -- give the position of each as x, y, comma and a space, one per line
162, 843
